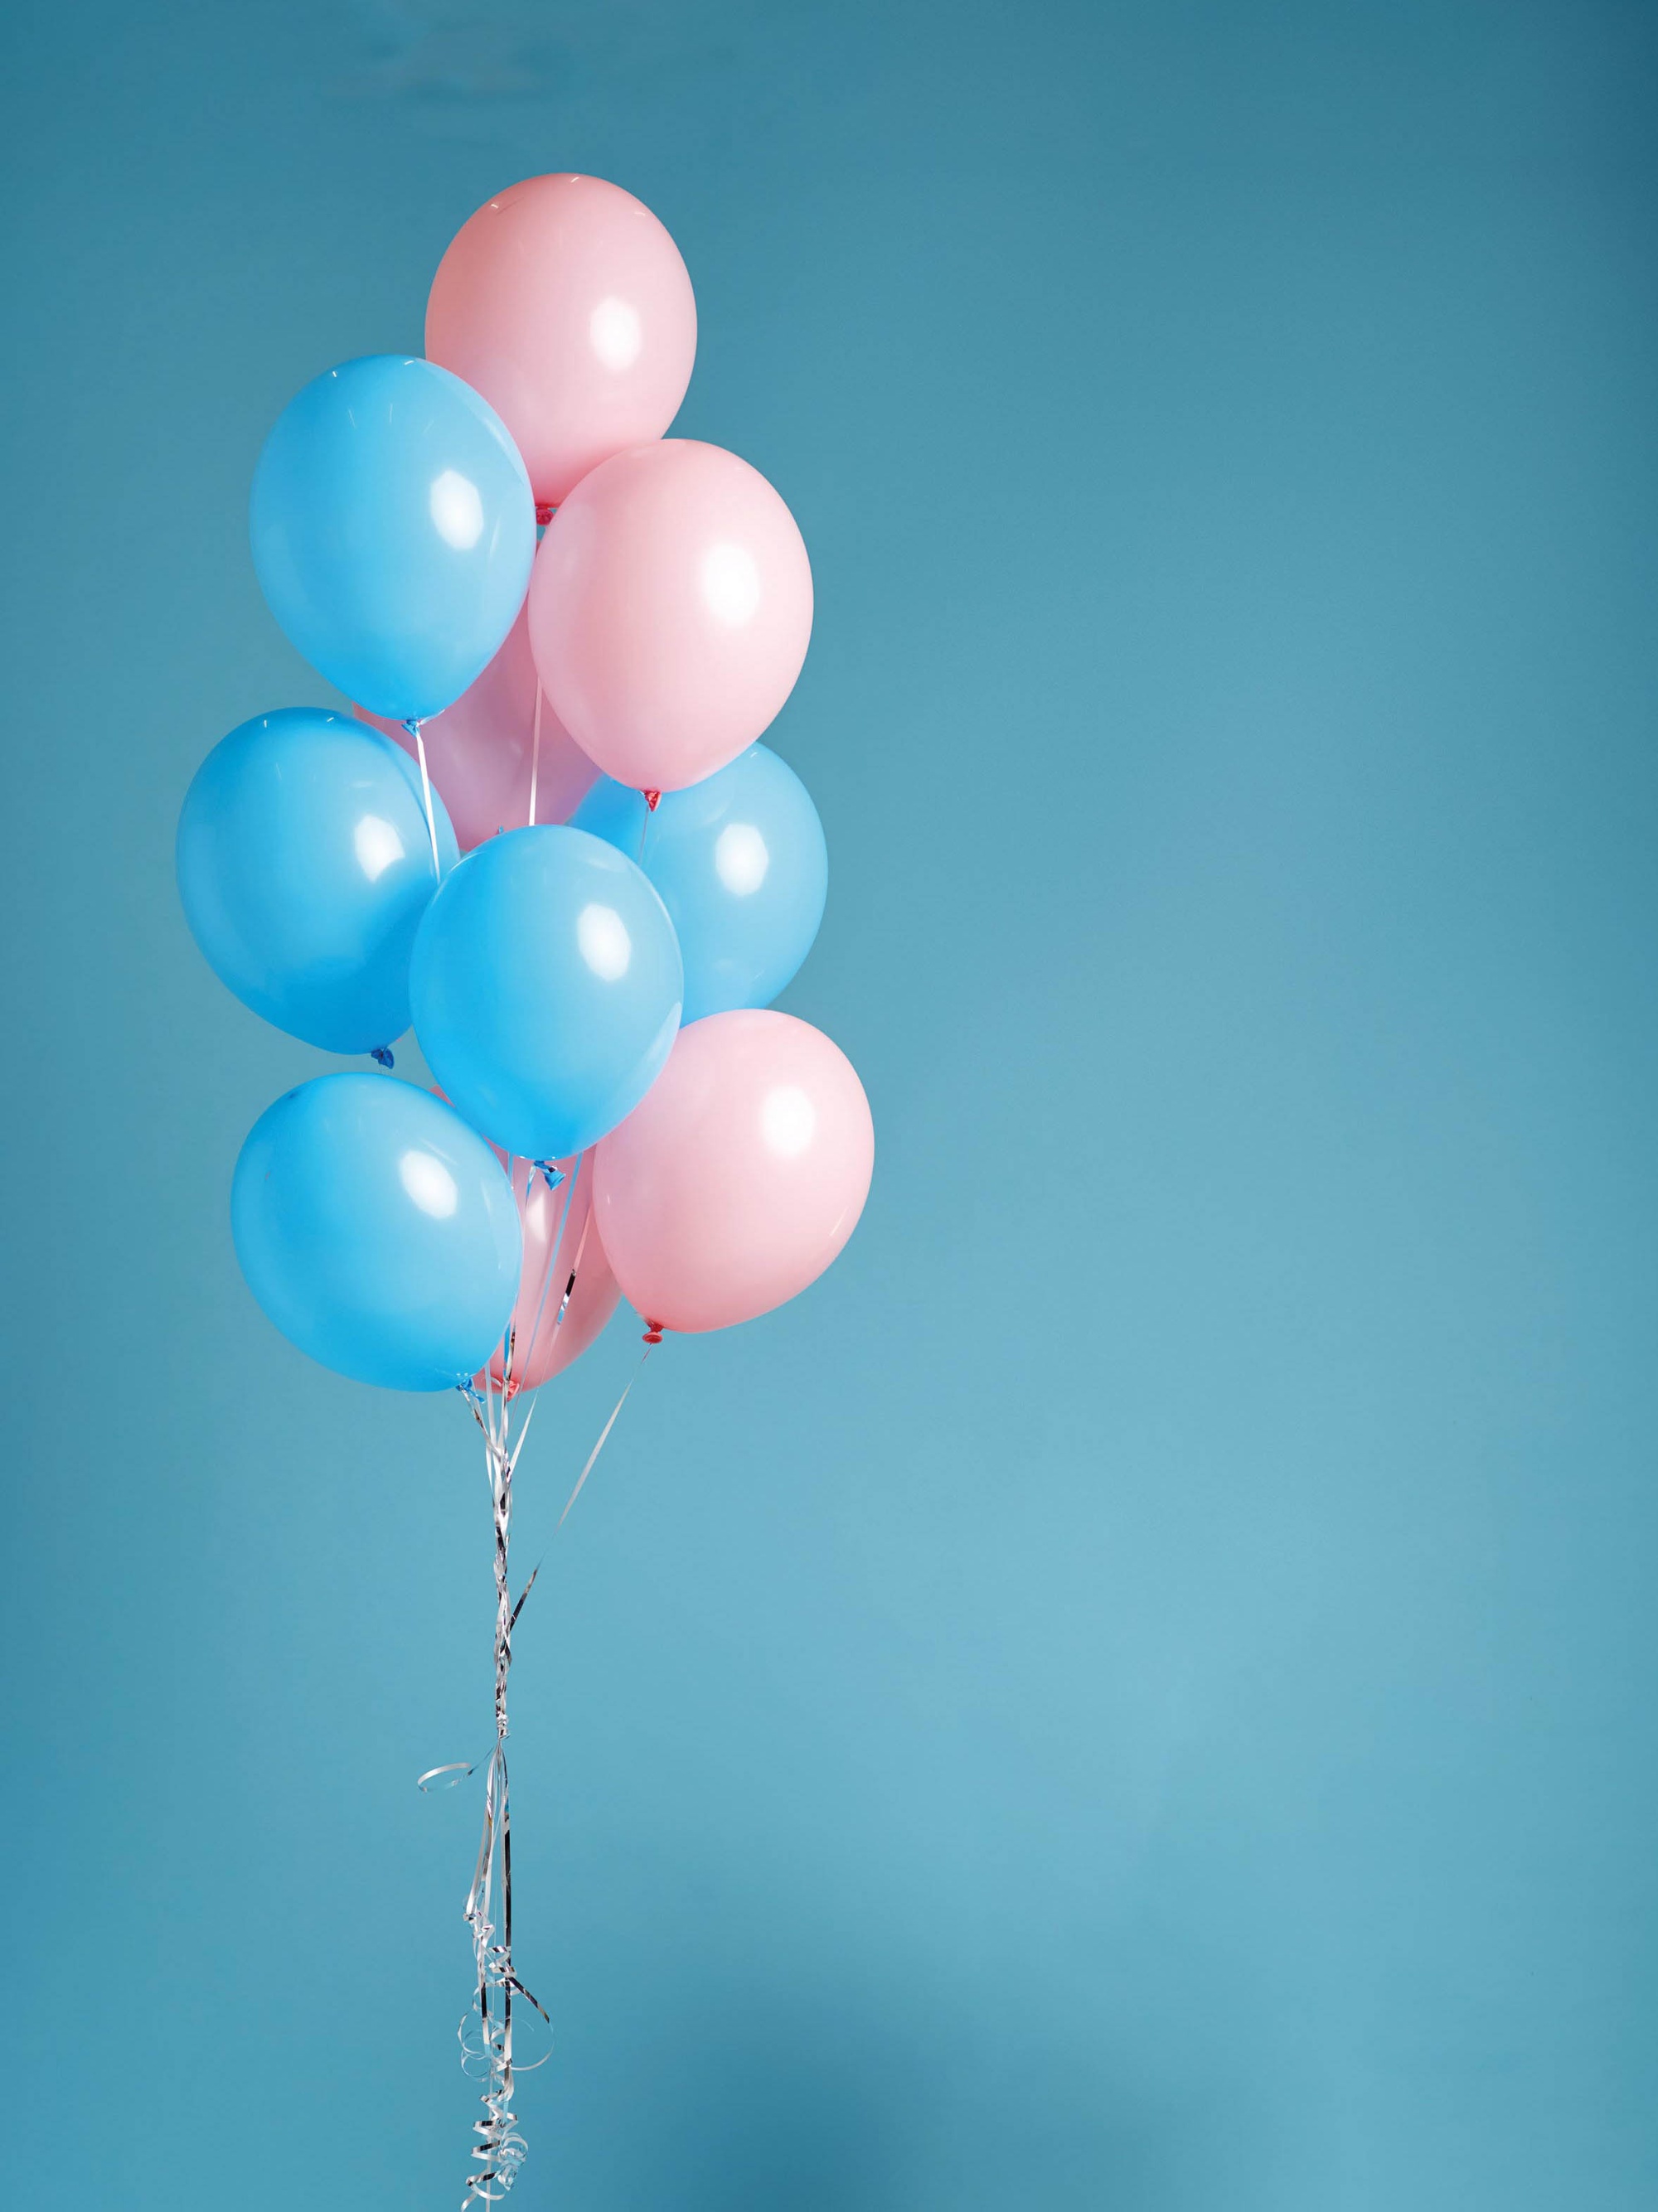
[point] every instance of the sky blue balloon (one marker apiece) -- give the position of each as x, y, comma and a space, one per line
305, 865
545, 987
393, 528
742, 869
377, 1231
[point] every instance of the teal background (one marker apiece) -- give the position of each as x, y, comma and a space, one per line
1136, 1693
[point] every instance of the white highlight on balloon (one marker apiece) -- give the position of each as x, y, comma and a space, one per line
731, 583
429, 1183
605, 945
789, 1121
740, 857
614, 330
378, 846
457, 511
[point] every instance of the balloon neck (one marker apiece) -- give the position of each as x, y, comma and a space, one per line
545, 512
551, 1172
653, 1333
382, 1052
652, 799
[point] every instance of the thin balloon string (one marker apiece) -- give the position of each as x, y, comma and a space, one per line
552, 1256
487, 2031
382, 1052
574, 1270
499, 2150
535, 753
544, 515
652, 1341
553, 1263
412, 726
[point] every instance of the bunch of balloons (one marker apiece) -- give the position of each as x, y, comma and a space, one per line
545, 833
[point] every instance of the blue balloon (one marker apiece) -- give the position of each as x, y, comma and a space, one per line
742, 869
305, 865
393, 528
545, 987
377, 1231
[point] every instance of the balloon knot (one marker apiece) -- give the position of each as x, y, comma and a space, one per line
653, 1333
544, 512
550, 1169
382, 1052
651, 798
411, 724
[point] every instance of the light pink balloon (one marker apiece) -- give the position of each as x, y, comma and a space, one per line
481, 751
545, 1344
670, 608
741, 1174
565, 303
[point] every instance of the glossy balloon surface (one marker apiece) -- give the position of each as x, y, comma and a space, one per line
670, 612
742, 868
304, 866
377, 1231
392, 530
740, 1176
482, 752
566, 304
559, 1240
545, 987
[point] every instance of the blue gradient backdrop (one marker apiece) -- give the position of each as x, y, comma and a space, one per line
1137, 1693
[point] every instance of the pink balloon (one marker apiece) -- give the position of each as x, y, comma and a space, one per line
670, 607
546, 1346
565, 303
740, 1175
481, 751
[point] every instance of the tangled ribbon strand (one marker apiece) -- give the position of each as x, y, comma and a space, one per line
486, 2035
487, 2029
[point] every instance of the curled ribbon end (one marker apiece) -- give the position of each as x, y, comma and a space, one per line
443, 1777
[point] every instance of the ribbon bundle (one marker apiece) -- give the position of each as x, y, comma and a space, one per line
486, 2035
500, 1997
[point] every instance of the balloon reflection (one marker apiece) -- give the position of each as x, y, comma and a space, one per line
740, 857
457, 510
378, 846
616, 335
429, 1183
731, 583
789, 1121
605, 945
